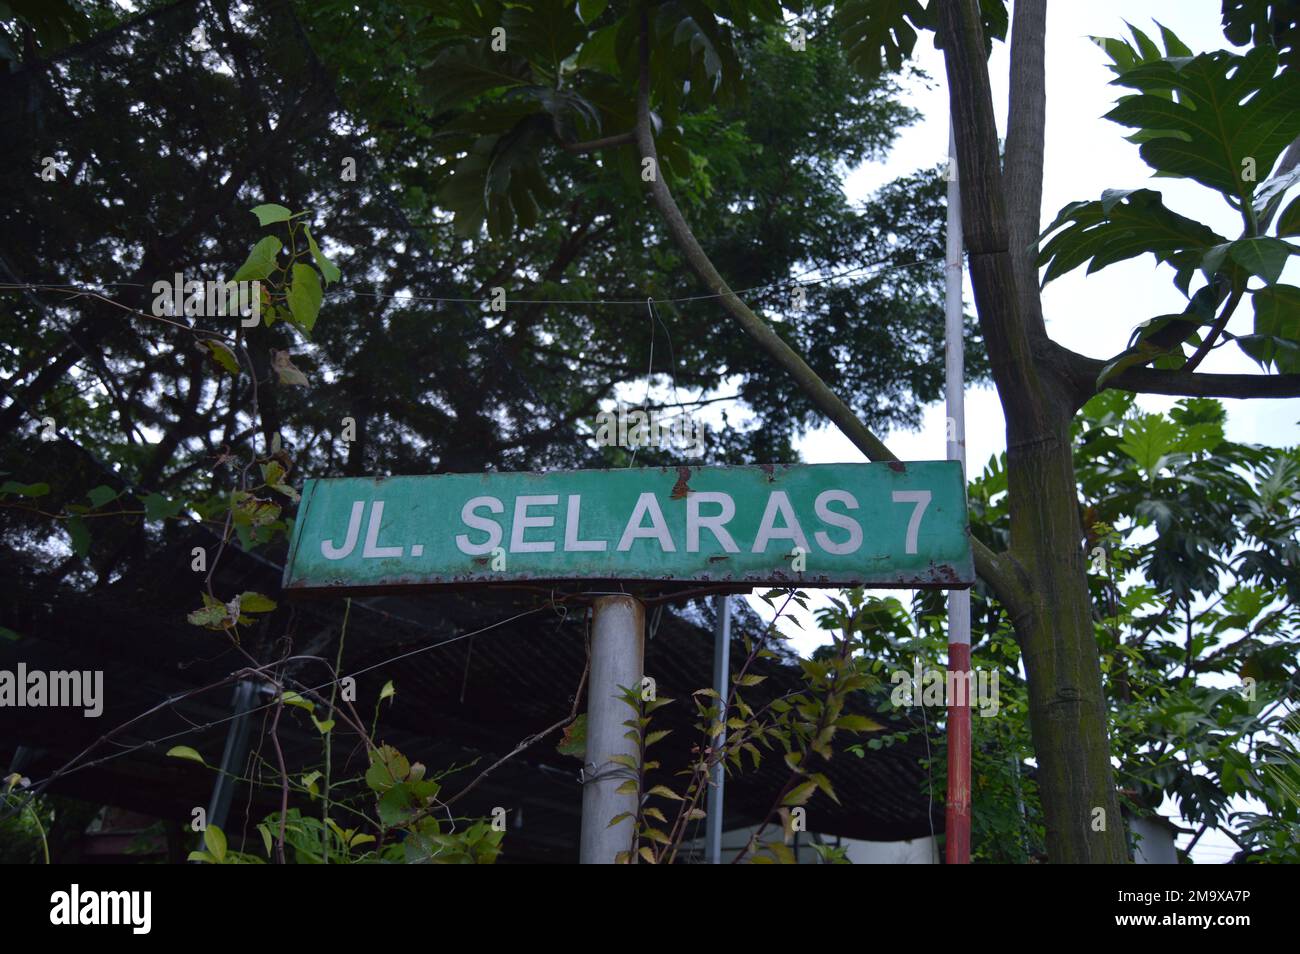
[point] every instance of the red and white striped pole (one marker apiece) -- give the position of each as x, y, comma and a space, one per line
957, 810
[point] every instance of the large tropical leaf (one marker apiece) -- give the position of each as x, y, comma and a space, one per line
1122, 225
880, 34
1220, 118
460, 73
1276, 340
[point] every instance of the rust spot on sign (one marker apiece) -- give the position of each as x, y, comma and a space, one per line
682, 487
898, 466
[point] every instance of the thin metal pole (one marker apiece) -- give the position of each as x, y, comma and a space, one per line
721, 660
234, 754
617, 661
957, 809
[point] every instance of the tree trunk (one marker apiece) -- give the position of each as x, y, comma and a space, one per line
1052, 610
1067, 708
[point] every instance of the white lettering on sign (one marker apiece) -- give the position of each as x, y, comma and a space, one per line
844, 521
778, 501
471, 519
571, 542
647, 522
922, 500
647, 503
779, 522
716, 524
327, 547
522, 522
372, 549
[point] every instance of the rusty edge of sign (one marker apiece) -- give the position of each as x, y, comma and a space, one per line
939, 576
300, 519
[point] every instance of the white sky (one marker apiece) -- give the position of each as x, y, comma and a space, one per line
1085, 155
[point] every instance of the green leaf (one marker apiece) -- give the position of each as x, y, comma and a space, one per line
588, 10
1276, 340
214, 614
261, 260
1262, 257
574, 740
223, 355
782, 851
858, 723
305, 297
248, 510
388, 692
878, 35
157, 507
250, 602
599, 51
387, 768
1122, 226
101, 495
327, 268
1227, 108
271, 213
800, 794
296, 699
185, 752
24, 490
1148, 439
215, 840
1288, 222
460, 73
80, 534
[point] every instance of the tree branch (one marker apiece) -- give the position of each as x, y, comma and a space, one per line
994, 568
1233, 301
1083, 371
592, 145
1023, 167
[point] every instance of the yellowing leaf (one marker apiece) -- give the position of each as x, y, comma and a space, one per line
185, 752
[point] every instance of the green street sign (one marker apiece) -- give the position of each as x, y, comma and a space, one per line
886, 525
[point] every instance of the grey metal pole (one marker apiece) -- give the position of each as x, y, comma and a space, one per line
232, 758
721, 661
617, 659
955, 372
957, 811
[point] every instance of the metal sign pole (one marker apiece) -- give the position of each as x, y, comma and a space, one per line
234, 754
617, 662
721, 660
957, 811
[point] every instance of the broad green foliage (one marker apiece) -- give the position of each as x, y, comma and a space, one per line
293, 285
1193, 552
881, 34
523, 77
1222, 119
395, 815
798, 727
